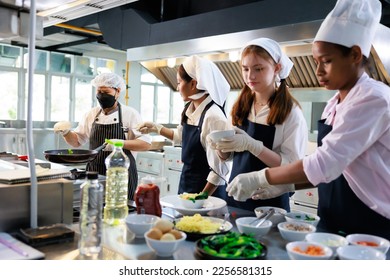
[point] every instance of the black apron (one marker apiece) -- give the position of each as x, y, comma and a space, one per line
341, 211
244, 162
100, 132
196, 168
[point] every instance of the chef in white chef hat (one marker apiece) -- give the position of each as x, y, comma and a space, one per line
209, 79
351, 23
352, 130
274, 50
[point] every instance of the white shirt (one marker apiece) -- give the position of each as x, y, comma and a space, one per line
130, 119
214, 119
291, 137
358, 145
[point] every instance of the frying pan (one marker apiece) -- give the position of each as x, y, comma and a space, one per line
77, 155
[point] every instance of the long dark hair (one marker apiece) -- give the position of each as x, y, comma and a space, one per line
280, 103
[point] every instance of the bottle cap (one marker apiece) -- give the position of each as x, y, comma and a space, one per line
92, 175
118, 144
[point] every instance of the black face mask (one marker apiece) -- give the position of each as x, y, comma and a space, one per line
105, 100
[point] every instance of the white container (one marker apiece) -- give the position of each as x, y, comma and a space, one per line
140, 223
331, 240
352, 252
164, 248
244, 226
295, 231
276, 218
303, 246
383, 244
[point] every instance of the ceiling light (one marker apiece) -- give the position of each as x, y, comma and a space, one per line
171, 62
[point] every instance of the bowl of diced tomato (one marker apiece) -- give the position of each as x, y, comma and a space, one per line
304, 250
373, 241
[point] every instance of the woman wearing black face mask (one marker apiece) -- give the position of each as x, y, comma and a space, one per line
110, 120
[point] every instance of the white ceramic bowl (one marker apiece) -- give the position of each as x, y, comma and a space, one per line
303, 247
192, 204
217, 135
164, 248
353, 252
295, 231
243, 226
276, 218
296, 216
331, 240
382, 243
140, 223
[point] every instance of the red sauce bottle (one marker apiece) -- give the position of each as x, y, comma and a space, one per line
147, 198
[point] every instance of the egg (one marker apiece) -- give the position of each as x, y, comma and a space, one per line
176, 233
155, 233
167, 237
164, 225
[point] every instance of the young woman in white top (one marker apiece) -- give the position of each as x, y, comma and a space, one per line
204, 89
269, 123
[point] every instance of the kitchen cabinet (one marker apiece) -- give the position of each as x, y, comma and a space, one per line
173, 167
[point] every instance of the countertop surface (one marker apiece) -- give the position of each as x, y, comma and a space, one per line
119, 243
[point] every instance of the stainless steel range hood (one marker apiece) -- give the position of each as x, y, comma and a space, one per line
295, 42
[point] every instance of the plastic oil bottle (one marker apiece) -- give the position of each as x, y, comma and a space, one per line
91, 215
117, 177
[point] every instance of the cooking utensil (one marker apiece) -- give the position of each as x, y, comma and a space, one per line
268, 215
263, 217
72, 155
225, 220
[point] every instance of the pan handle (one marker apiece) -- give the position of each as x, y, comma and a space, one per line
98, 149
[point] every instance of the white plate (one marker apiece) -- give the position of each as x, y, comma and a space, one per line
211, 203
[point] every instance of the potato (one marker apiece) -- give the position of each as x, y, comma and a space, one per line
168, 237
176, 233
164, 225
154, 233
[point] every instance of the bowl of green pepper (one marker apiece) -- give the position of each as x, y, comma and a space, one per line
230, 246
296, 216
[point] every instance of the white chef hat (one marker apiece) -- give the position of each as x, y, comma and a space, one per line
275, 52
350, 23
109, 80
208, 77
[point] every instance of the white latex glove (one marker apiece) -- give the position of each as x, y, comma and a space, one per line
149, 127
240, 142
62, 127
267, 192
246, 184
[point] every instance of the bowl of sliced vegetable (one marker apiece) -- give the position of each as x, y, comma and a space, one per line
193, 200
369, 240
230, 246
331, 240
302, 217
304, 250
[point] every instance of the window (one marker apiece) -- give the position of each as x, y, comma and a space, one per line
60, 62
60, 88
38, 112
158, 102
9, 56
84, 65
83, 98
9, 81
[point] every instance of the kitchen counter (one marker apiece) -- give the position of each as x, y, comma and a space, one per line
119, 244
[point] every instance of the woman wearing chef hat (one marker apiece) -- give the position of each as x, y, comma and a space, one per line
269, 124
205, 89
352, 165
110, 120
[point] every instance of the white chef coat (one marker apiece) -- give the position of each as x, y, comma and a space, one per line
358, 145
290, 137
214, 119
130, 119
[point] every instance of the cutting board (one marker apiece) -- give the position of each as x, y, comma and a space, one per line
7, 253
